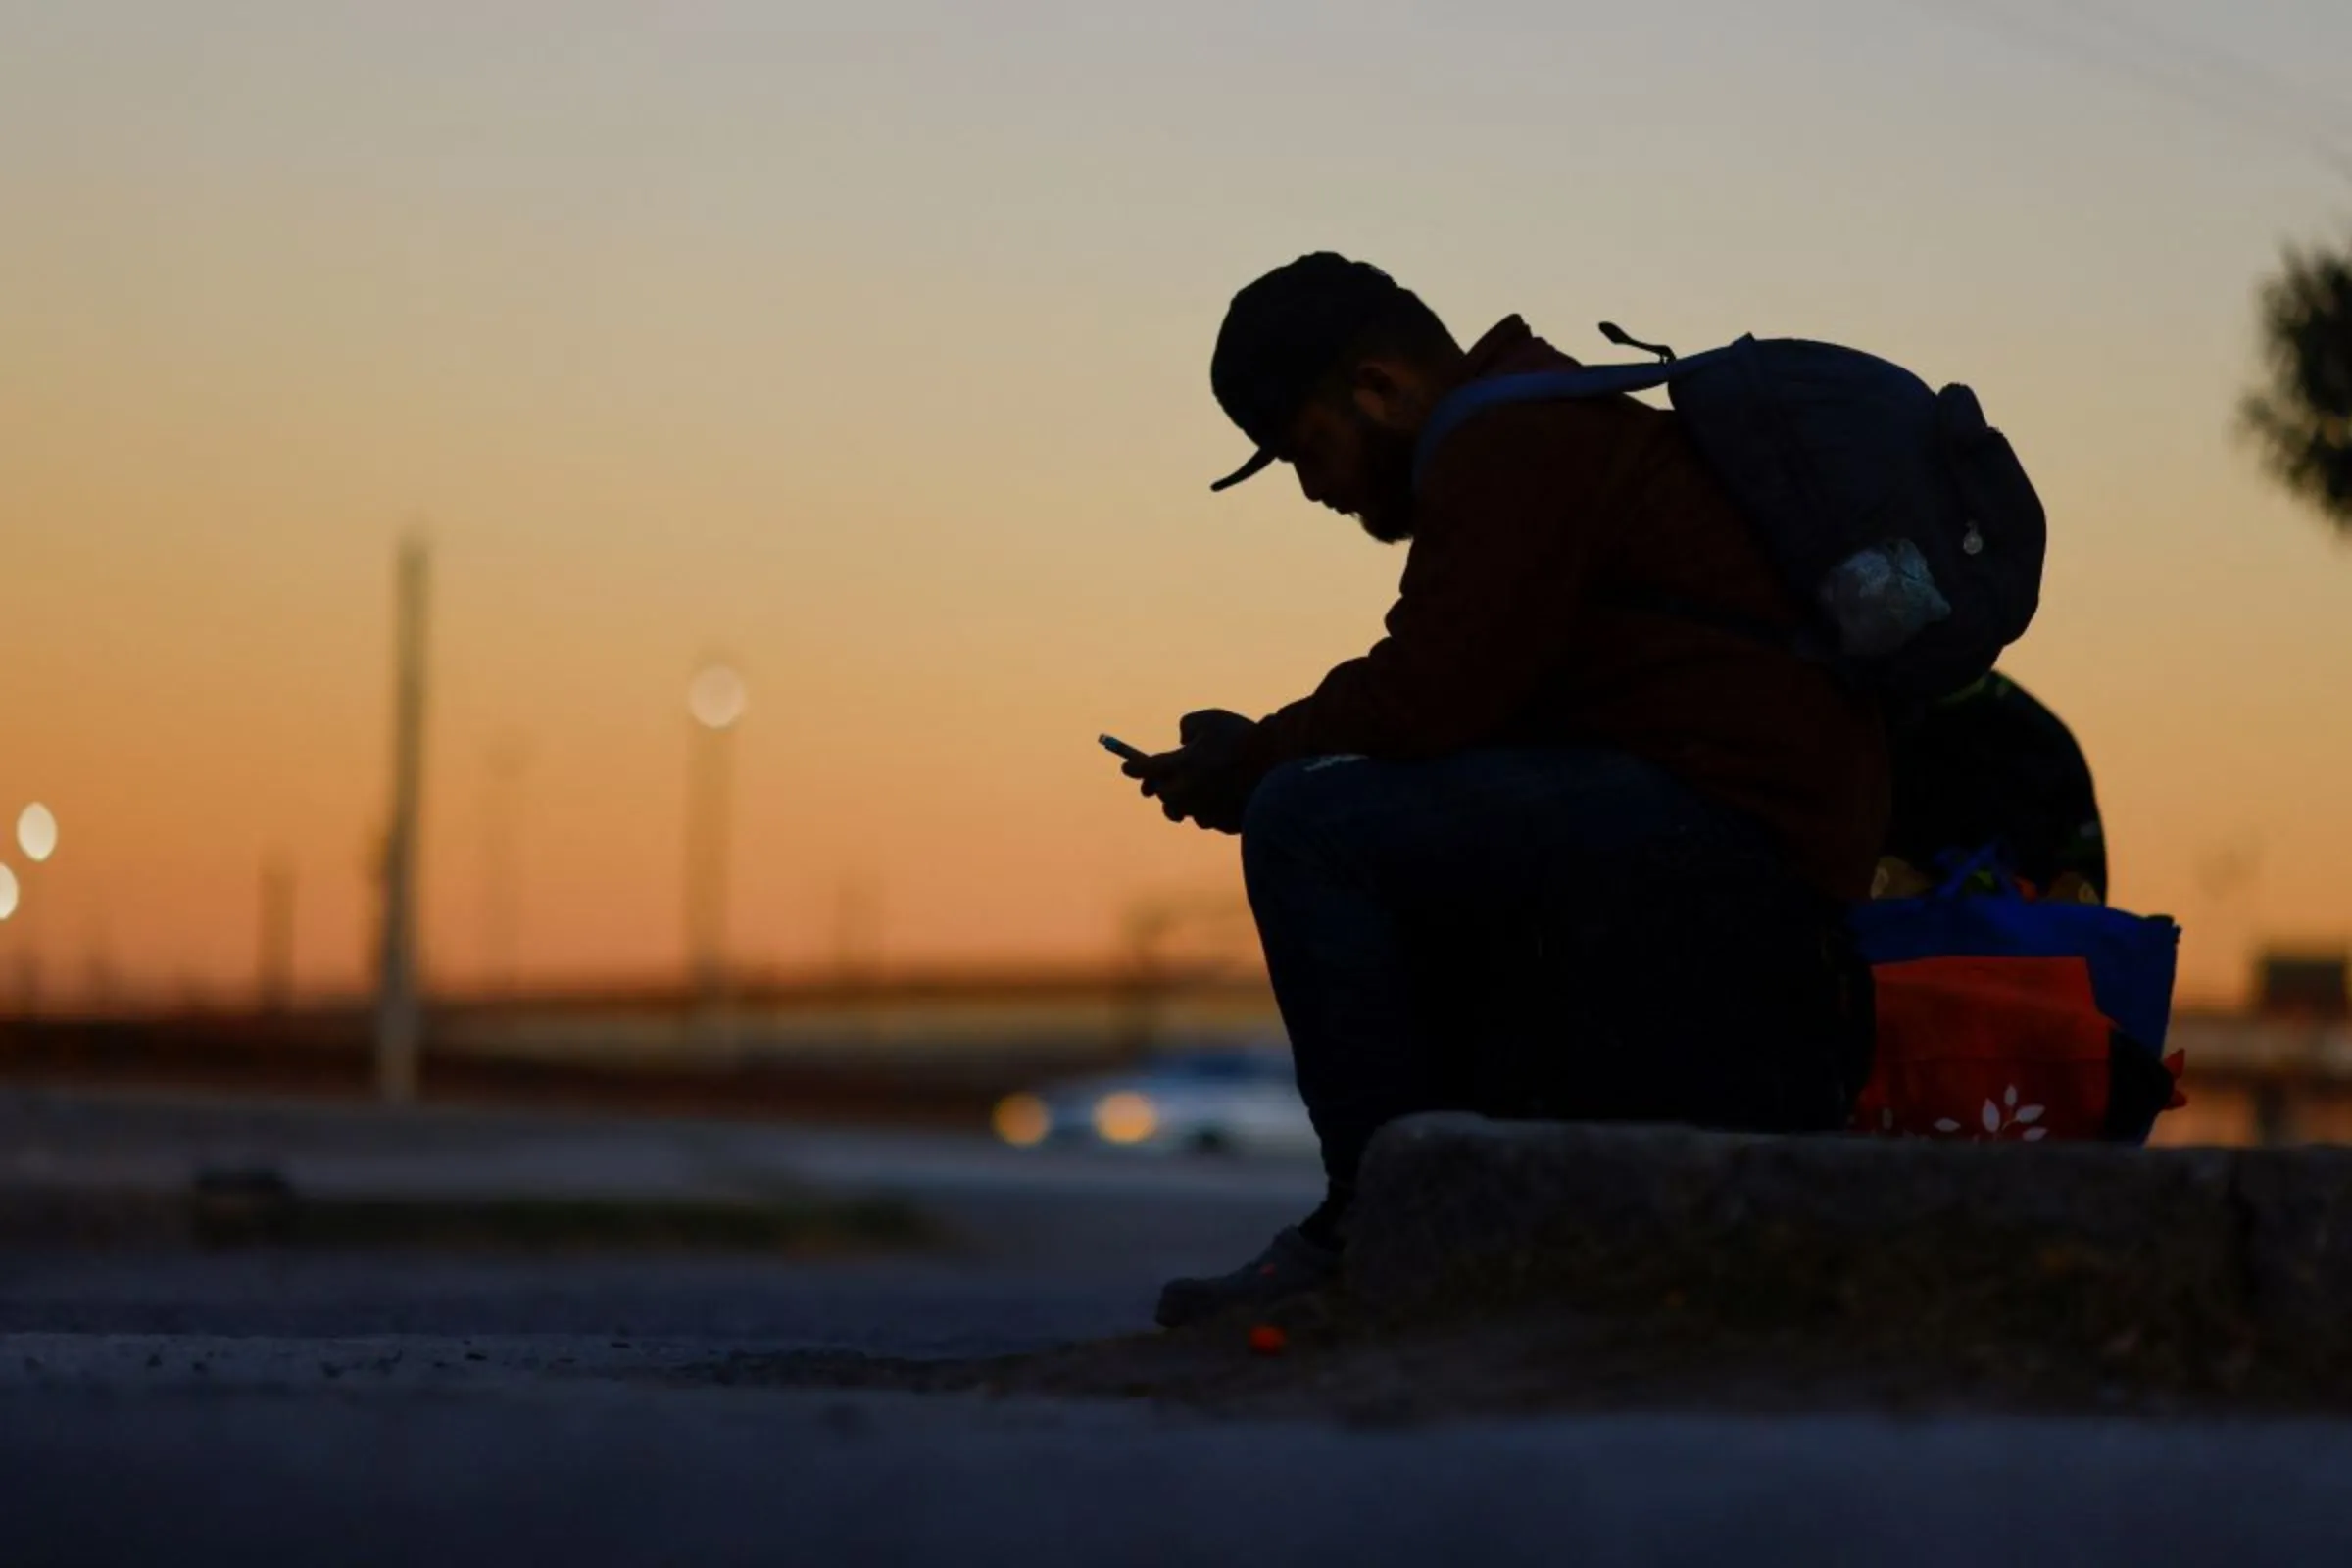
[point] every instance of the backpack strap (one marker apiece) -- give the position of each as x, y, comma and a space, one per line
1474, 398
1546, 386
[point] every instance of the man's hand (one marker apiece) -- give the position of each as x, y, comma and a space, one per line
1203, 781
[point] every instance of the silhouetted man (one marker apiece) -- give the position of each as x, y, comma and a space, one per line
1583, 739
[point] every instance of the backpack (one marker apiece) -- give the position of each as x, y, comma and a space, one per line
1900, 518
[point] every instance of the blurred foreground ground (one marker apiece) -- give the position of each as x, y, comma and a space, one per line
398, 1407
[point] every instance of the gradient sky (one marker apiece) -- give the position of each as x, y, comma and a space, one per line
874, 353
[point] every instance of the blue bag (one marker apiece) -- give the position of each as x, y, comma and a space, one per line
2132, 958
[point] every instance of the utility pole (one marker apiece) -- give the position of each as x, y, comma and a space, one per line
858, 929
274, 972
398, 1020
98, 975
29, 969
715, 701
857, 954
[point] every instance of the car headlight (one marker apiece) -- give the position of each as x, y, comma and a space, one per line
1126, 1117
1021, 1120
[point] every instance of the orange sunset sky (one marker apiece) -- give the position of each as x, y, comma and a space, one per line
869, 344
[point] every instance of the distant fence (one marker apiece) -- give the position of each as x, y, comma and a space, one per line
2257, 1080
937, 1049
925, 1049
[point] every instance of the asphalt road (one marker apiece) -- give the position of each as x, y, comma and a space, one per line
385, 1408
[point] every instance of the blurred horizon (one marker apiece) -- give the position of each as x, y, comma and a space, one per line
868, 350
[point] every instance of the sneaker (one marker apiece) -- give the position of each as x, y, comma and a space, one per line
1290, 1265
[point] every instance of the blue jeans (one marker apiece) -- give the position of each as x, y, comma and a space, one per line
1540, 931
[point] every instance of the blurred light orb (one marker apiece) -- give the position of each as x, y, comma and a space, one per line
8, 892
36, 832
717, 696
1126, 1117
1022, 1120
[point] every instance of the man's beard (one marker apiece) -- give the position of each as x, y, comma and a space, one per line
1387, 509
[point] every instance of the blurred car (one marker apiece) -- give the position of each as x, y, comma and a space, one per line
1222, 1100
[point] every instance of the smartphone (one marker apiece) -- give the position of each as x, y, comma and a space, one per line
1120, 748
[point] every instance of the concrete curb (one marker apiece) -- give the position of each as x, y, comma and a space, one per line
2175, 1254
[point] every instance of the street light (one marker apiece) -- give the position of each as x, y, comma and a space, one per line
8, 892
717, 696
716, 699
36, 832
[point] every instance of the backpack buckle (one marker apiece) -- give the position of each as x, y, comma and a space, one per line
1626, 340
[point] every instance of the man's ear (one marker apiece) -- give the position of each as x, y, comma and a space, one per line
1388, 394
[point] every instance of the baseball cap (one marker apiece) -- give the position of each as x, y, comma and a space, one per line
1283, 334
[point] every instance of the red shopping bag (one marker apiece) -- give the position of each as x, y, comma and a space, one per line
2012, 1050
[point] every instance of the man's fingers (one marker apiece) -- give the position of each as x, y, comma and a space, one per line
1173, 778
1179, 797
1161, 773
1160, 766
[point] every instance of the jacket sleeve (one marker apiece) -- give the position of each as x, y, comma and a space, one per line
1513, 518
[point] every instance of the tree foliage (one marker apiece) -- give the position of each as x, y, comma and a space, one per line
2301, 417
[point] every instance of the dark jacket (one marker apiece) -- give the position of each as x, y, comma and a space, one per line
1531, 523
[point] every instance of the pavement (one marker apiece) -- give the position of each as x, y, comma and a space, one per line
271, 1405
